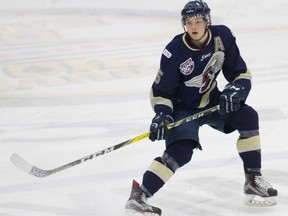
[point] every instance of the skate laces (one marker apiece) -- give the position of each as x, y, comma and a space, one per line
261, 182
143, 198
140, 198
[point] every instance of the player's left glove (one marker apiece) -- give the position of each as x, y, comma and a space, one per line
231, 98
158, 131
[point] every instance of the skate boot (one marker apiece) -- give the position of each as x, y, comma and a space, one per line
137, 203
258, 191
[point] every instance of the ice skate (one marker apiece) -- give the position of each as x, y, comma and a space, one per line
137, 203
258, 191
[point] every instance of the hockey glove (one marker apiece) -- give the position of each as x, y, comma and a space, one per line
231, 98
158, 131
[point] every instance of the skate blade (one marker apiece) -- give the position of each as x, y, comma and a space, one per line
131, 212
254, 200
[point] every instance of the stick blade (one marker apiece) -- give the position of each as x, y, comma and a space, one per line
26, 167
20, 163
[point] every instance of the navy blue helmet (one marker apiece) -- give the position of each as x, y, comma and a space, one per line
196, 8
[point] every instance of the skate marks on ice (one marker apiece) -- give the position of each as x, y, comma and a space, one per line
210, 194
204, 196
272, 114
72, 200
90, 207
26, 208
207, 196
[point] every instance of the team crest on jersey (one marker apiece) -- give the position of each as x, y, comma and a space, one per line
206, 78
187, 67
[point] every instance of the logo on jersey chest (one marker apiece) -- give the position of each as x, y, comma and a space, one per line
205, 56
205, 79
187, 67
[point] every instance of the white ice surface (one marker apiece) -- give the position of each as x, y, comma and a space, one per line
75, 77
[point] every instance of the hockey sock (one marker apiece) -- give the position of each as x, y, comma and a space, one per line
252, 161
250, 152
158, 173
163, 168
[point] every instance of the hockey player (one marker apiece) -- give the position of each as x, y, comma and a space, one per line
186, 84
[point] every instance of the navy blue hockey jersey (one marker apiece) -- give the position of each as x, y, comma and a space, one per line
188, 75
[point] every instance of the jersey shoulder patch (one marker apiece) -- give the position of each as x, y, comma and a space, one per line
167, 53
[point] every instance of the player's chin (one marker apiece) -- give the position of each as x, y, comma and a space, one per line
195, 37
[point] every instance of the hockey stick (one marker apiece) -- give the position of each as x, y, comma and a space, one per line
25, 166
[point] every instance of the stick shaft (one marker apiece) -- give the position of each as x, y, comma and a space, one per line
25, 166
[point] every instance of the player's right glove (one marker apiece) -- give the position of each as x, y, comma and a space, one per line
158, 131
